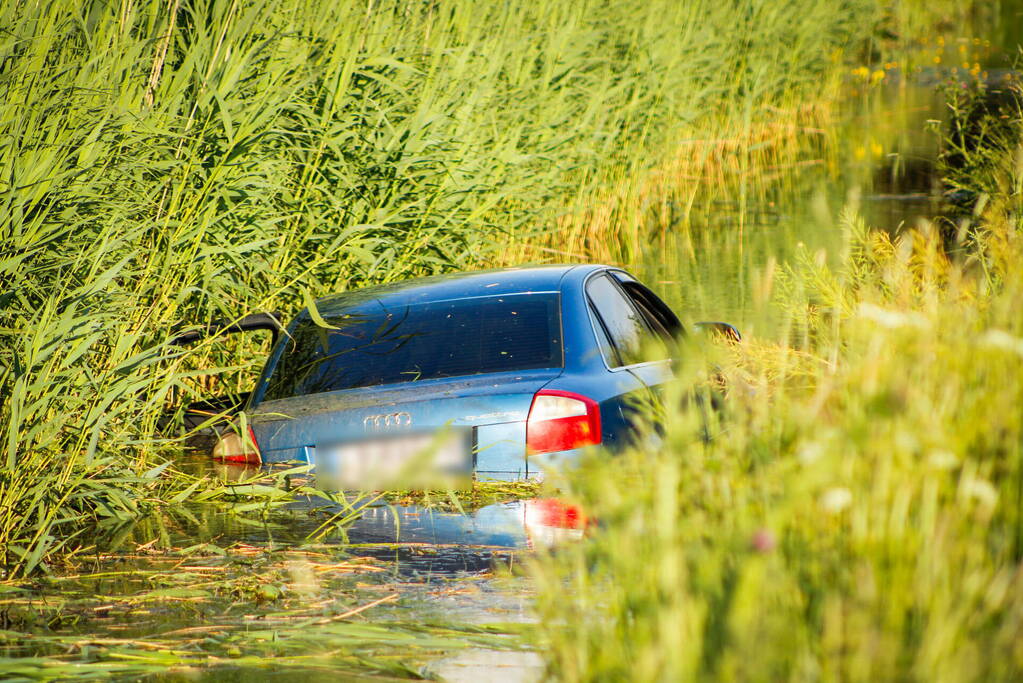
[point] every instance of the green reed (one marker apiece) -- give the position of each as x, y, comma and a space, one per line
169, 162
857, 512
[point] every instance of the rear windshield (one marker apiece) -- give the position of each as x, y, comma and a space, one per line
424, 341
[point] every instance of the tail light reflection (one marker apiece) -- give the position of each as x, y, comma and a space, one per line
551, 521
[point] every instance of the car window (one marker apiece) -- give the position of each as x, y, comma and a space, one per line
653, 320
622, 321
417, 342
661, 319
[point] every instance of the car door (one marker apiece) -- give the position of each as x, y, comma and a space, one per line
206, 416
621, 333
659, 321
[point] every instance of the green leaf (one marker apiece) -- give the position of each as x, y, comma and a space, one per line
314, 313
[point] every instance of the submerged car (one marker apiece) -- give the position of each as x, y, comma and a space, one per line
493, 374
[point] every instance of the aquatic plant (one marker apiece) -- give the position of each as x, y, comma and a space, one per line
192, 160
261, 610
857, 513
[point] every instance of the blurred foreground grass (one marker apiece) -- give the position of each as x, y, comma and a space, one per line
857, 513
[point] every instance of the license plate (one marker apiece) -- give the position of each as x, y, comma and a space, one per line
402, 461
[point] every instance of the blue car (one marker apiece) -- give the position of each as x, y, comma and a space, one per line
498, 374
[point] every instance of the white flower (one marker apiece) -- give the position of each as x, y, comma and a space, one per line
1000, 339
891, 319
810, 452
836, 499
981, 490
942, 460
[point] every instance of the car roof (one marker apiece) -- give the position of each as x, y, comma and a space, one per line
518, 280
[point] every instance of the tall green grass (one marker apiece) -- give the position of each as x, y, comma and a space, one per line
857, 513
169, 162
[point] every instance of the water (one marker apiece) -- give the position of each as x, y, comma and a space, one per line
880, 164
408, 589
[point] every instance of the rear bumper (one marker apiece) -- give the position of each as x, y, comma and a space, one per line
543, 464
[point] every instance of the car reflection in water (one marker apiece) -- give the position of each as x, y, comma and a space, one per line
425, 540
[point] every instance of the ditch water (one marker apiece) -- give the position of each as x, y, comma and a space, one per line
428, 590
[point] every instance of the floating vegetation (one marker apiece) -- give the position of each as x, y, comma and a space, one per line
480, 494
252, 607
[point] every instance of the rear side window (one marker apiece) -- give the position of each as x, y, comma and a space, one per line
423, 341
661, 319
621, 319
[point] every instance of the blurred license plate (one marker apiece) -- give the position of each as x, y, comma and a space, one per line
411, 460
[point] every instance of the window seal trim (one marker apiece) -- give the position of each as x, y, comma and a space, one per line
589, 303
671, 316
594, 316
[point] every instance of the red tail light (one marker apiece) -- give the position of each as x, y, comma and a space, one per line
233, 447
561, 421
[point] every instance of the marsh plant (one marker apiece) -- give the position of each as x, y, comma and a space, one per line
857, 513
171, 162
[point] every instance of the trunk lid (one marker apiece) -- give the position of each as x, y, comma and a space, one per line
493, 406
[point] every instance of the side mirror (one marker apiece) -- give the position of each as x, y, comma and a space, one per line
724, 330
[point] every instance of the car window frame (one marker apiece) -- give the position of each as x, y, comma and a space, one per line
597, 319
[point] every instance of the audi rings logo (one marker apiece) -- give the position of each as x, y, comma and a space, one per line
387, 420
